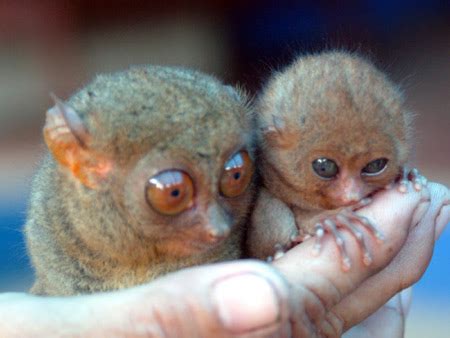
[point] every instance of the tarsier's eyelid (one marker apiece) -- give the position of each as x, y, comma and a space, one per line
381, 162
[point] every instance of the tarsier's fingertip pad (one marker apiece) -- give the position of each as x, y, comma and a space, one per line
320, 232
389, 186
366, 201
278, 255
317, 248
379, 235
403, 187
346, 264
367, 259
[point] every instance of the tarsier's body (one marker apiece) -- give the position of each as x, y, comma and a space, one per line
149, 172
333, 130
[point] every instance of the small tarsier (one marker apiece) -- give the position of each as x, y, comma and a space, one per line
333, 130
150, 170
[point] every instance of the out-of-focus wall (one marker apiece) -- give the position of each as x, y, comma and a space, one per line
58, 46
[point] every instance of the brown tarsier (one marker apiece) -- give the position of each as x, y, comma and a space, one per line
150, 170
333, 130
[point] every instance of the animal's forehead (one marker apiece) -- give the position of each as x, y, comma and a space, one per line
153, 106
348, 142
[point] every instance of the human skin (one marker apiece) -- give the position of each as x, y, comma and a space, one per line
299, 295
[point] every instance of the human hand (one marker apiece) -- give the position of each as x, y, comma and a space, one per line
388, 321
300, 295
409, 264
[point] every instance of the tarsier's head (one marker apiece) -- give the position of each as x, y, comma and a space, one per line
172, 148
333, 129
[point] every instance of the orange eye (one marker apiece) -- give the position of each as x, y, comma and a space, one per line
170, 192
237, 174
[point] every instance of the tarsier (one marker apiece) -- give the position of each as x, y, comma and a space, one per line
149, 171
333, 130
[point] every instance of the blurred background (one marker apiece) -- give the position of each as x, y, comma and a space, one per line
59, 45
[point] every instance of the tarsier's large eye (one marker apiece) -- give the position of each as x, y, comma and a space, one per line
325, 168
375, 167
237, 174
170, 192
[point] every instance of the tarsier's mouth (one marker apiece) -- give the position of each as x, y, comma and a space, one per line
199, 246
203, 242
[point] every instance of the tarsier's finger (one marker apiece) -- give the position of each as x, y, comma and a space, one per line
389, 186
279, 251
424, 180
419, 180
345, 222
297, 239
332, 228
404, 182
319, 233
368, 224
361, 204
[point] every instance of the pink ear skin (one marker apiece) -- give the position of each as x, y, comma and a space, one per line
68, 140
278, 134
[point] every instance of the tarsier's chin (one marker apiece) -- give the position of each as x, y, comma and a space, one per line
149, 171
333, 130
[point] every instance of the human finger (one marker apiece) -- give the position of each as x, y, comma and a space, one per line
407, 267
320, 278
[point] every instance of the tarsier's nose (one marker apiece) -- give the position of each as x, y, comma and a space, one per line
218, 224
351, 192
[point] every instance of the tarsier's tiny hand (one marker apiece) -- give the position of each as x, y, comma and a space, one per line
344, 218
412, 175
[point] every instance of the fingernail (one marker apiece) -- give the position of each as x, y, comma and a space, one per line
245, 303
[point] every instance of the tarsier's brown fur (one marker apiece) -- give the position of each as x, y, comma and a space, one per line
95, 232
335, 105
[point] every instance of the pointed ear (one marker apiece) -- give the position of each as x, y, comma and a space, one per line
68, 140
279, 134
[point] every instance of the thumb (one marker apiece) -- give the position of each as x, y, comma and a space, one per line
222, 300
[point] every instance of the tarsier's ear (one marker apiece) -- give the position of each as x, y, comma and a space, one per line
279, 134
68, 140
